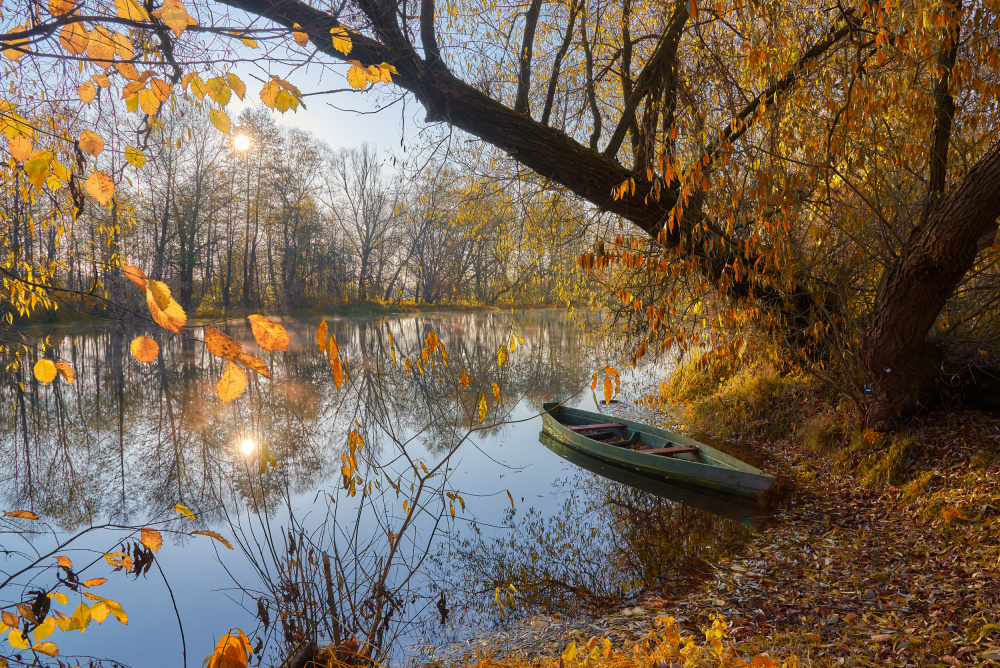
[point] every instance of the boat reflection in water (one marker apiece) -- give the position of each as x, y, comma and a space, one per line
716, 503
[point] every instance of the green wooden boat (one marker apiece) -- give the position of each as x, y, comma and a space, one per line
652, 451
733, 506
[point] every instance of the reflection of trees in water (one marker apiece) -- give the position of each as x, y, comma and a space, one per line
607, 545
129, 439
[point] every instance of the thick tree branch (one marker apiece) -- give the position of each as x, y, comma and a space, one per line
903, 364
653, 71
944, 112
527, 45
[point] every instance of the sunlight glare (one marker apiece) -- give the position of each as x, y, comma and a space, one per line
247, 446
241, 142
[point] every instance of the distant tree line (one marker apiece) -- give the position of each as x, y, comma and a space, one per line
291, 223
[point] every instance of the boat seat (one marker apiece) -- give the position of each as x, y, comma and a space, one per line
588, 427
676, 450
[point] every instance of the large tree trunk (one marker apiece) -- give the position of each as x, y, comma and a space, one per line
903, 363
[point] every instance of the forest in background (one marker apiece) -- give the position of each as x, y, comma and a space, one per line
290, 223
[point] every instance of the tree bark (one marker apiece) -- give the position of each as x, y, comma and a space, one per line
904, 365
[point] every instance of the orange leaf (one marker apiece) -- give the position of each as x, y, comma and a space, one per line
321, 334
151, 538
22, 515
91, 142
66, 371
10, 619
269, 334
64, 561
254, 364
136, 275
45, 371
74, 37
144, 349
100, 187
94, 582
20, 147
212, 534
222, 345
608, 390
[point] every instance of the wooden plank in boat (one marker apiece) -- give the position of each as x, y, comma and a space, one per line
677, 450
587, 427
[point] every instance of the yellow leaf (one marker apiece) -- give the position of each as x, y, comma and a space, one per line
501, 354
160, 292
59, 597
218, 90
321, 334
185, 511
464, 378
46, 648
60, 7
74, 37
232, 383
37, 168
357, 77
341, 41
45, 371
45, 629
123, 46
101, 80
269, 93
212, 534
113, 606
607, 389
101, 46
174, 15
100, 187
131, 10
151, 538
300, 37
17, 639
66, 371
219, 119
254, 364
99, 612
91, 142
496, 393
236, 84
20, 147
482, 406
94, 582
137, 276
269, 334
148, 101
570, 653
64, 561
135, 157
221, 345
87, 92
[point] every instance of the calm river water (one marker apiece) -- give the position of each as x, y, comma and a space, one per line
387, 500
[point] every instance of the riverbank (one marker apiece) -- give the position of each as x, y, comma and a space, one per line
71, 314
869, 562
